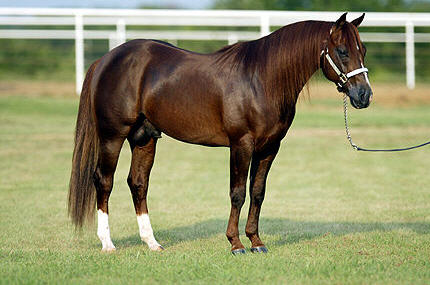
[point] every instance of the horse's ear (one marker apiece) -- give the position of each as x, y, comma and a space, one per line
358, 21
336, 29
341, 21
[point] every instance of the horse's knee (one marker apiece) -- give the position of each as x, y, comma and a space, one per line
258, 198
237, 196
257, 192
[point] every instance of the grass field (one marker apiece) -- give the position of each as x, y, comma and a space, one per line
331, 215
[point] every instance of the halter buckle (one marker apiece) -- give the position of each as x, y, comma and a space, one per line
343, 78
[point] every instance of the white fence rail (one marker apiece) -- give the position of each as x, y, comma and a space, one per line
121, 18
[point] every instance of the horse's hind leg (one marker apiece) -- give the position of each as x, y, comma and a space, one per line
143, 152
103, 181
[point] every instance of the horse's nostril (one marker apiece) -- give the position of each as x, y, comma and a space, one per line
364, 95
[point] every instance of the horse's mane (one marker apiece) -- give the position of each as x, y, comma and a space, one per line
283, 61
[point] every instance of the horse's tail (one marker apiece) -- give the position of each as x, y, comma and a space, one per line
82, 194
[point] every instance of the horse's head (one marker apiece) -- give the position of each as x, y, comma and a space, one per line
342, 61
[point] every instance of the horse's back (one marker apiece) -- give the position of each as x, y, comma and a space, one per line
176, 90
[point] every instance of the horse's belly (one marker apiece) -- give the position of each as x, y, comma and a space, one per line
192, 122
195, 134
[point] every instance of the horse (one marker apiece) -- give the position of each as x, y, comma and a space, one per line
242, 96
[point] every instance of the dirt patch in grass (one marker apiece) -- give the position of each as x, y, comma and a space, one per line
29, 88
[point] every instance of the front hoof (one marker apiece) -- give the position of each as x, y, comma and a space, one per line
259, 249
239, 251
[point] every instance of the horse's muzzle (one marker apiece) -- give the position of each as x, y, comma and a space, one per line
360, 96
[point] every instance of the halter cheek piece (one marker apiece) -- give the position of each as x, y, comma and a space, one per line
343, 77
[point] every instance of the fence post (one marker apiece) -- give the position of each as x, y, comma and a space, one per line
410, 56
120, 32
232, 38
112, 40
264, 25
79, 52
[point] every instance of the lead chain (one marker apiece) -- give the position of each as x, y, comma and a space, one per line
345, 112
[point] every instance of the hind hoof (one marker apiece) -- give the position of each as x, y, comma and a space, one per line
109, 250
239, 251
156, 248
259, 249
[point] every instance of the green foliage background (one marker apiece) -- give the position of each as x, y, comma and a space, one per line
54, 59
327, 5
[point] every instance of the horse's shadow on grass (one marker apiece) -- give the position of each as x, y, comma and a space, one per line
285, 231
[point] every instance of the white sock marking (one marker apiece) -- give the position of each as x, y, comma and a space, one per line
103, 231
146, 233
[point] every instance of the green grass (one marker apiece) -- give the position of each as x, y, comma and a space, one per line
331, 215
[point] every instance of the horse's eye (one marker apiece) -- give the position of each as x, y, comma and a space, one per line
342, 52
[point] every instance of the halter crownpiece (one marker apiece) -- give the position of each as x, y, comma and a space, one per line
343, 77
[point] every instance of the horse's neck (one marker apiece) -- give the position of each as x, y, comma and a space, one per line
293, 70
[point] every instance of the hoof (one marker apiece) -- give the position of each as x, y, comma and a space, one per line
239, 251
160, 248
259, 249
157, 248
108, 250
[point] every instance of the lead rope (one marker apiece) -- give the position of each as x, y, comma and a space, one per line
345, 112
354, 146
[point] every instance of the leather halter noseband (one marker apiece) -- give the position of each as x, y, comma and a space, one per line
343, 77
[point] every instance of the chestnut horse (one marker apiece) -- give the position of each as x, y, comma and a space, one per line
242, 97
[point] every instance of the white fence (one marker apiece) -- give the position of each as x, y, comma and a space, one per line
264, 20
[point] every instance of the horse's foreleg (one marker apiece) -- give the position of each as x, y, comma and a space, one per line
138, 178
260, 167
240, 156
103, 181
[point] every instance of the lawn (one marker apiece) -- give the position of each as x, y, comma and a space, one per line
331, 215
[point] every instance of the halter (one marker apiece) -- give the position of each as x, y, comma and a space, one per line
343, 77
